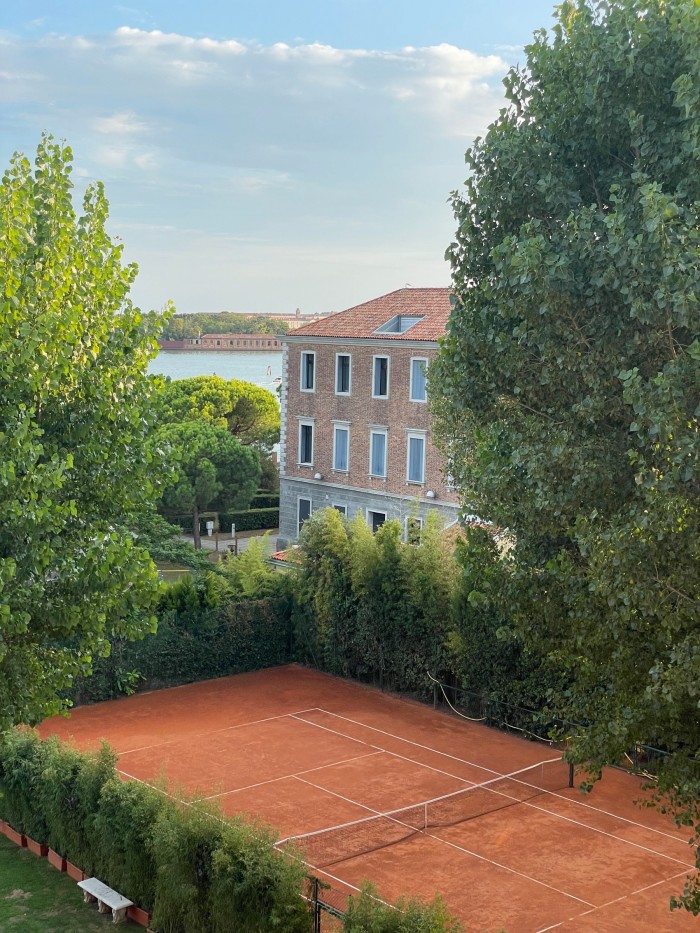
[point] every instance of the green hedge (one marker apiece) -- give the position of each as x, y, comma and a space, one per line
193, 642
245, 520
184, 520
265, 501
194, 870
251, 520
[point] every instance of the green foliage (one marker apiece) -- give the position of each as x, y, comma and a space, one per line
161, 539
488, 653
566, 389
232, 618
123, 826
253, 890
75, 406
183, 841
213, 470
249, 412
265, 502
370, 606
250, 520
270, 476
51, 792
367, 914
196, 871
220, 322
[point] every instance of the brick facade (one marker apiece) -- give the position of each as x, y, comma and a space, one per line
327, 479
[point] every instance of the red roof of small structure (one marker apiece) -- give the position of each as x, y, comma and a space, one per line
431, 304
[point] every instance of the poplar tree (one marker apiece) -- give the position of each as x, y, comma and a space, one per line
74, 425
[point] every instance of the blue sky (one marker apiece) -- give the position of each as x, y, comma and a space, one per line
265, 156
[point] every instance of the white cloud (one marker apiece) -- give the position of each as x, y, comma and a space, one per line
305, 159
119, 124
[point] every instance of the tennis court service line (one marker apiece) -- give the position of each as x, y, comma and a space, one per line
238, 725
295, 774
616, 900
386, 751
483, 858
534, 806
578, 803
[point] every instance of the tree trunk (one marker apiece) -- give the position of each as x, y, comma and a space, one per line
195, 528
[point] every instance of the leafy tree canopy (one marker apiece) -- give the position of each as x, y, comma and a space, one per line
249, 412
214, 470
220, 322
567, 387
75, 404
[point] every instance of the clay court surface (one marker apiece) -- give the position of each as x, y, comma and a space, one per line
306, 752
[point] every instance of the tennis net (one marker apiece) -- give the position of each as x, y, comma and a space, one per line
325, 847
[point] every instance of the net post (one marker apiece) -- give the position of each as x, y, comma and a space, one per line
571, 774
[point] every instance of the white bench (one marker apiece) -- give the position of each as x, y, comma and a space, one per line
107, 899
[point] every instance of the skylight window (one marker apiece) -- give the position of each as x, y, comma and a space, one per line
399, 324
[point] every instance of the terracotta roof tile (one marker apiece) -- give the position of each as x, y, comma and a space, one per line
433, 304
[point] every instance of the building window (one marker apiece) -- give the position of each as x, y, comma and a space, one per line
343, 509
375, 520
303, 512
341, 447
377, 453
415, 468
306, 443
419, 367
342, 374
380, 377
414, 526
308, 372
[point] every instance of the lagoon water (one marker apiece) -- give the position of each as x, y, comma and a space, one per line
262, 369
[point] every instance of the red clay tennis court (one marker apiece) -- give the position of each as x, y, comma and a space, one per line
413, 799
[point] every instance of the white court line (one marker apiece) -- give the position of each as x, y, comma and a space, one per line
578, 803
516, 801
295, 774
616, 900
418, 764
482, 858
238, 725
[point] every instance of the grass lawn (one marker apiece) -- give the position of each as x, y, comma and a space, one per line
35, 898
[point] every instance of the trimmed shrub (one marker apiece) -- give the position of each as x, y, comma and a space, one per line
267, 501
252, 520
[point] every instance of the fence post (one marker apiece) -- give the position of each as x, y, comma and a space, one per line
317, 906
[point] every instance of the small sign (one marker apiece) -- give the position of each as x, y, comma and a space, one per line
210, 528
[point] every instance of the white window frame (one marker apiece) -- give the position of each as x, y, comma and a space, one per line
301, 499
413, 518
340, 507
381, 356
369, 512
415, 435
302, 371
337, 358
424, 360
341, 426
306, 423
385, 433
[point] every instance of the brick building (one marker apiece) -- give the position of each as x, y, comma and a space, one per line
355, 420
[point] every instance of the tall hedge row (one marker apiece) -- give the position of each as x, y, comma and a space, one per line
195, 641
195, 871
